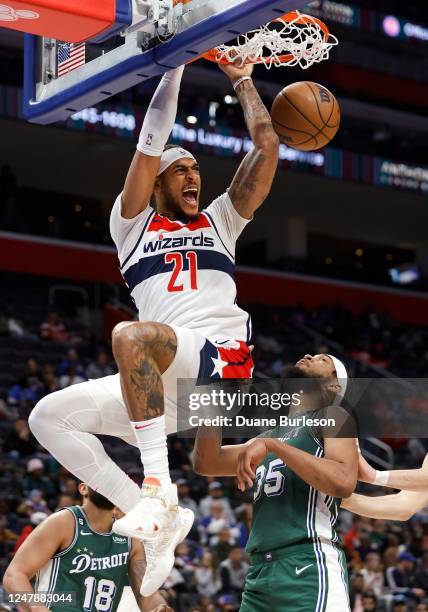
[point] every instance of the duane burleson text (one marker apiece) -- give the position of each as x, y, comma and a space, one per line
242, 421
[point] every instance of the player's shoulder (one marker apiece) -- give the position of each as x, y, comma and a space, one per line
59, 527
221, 200
62, 519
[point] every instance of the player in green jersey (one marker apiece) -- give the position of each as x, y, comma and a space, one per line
78, 563
299, 476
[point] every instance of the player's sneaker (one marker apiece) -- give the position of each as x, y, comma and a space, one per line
161, 524
160, 552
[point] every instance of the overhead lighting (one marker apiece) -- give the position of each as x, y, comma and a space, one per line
192, 119
359, 252
391, 26
328, 261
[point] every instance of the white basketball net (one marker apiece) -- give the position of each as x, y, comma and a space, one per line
302, 39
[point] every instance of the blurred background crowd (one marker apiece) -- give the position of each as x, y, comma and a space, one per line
335, 261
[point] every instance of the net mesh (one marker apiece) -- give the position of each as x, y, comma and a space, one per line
295, 39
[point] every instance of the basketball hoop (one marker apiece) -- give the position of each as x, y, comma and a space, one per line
294, 39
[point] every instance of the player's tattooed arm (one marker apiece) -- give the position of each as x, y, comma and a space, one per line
143, 352
136, 571
252, 183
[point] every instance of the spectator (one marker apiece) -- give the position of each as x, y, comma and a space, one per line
69, 487
36, 478
399, 604
72, 360
101, 367
26, 392
223, 547
373, 574
65, 500
33, 503
245, 515
213, 524
369, 602
184, 560
421, 574
32, 368
401, 577
421, 607
35, 519
20, 440
228, 603
7, 536
205, 577
72, 377
53, 329
216, 493
233, 572
183, 496
356, 592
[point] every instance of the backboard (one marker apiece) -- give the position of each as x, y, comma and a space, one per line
61, 79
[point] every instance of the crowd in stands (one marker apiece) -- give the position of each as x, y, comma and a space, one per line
387, 561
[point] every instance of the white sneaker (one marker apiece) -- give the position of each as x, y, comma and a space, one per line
161, 524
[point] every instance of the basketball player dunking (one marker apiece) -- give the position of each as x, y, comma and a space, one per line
178, 264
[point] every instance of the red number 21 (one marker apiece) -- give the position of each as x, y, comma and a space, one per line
177, 260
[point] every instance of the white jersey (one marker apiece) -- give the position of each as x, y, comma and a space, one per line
183, 273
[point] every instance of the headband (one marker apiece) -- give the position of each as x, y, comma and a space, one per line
170, 156
342, 377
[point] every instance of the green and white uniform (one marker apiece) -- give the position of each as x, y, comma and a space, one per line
94, 568
296, 563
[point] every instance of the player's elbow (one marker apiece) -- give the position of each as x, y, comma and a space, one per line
345, 487
268, 142
9, 579
403, 515
201, 465
405, 512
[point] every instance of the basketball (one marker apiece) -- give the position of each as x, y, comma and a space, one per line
306, 116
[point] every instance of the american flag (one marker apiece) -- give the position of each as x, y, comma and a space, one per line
70, 57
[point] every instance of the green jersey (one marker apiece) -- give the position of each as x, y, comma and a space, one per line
287, 511
94, 568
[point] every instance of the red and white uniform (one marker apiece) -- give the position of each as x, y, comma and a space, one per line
182, 274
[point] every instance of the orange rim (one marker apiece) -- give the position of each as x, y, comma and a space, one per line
288, 17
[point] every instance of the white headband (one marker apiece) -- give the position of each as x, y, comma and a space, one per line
170, 156
342, 377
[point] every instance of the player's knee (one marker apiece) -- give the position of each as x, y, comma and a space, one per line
131, 334
43, 416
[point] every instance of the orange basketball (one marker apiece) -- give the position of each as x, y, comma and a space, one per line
305, 115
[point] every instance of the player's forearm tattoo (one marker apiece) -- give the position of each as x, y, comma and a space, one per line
136, 571
249, 176
256, 115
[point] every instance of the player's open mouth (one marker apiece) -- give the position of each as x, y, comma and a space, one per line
190, 196
302, 361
